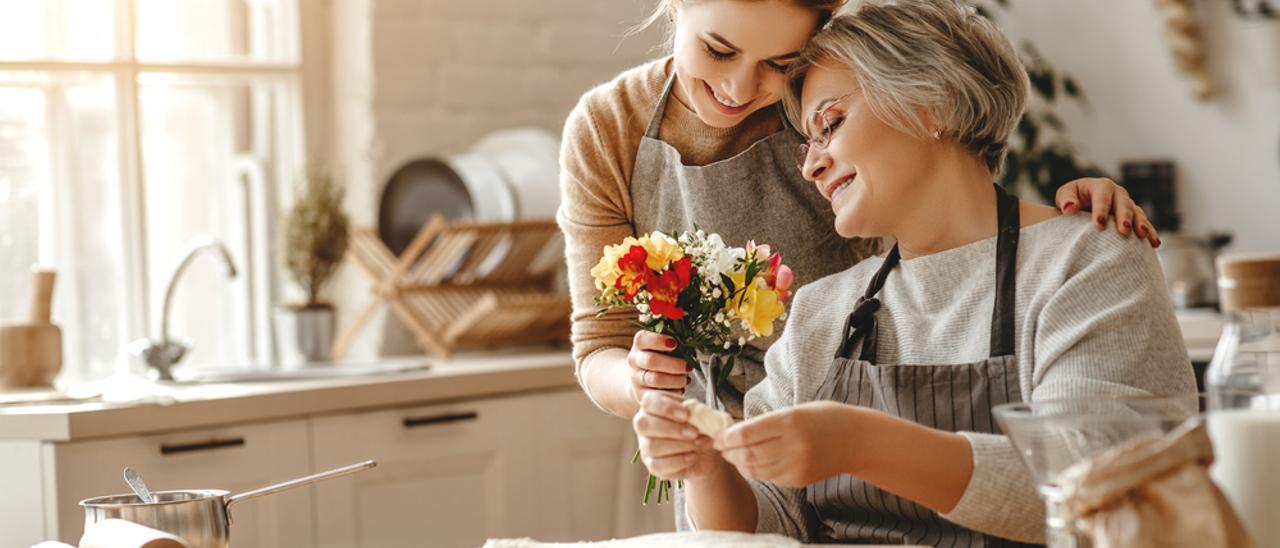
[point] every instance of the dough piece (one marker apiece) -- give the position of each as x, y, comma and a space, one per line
707, 420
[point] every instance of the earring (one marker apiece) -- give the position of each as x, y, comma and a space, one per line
937, 134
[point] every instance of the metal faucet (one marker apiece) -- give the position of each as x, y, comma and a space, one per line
160, 354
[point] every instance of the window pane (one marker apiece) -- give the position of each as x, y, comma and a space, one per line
60, 206
57, 29
207, 147
217, 30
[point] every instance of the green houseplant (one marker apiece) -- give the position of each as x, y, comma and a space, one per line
315, 240
1041, 156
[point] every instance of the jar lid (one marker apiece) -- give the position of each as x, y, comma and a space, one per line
1249, 281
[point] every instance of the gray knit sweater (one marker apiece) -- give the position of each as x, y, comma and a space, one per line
1092, 319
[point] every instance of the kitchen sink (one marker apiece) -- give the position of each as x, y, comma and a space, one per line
304, 373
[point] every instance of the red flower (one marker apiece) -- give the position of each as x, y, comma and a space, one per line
634, 272
666, 287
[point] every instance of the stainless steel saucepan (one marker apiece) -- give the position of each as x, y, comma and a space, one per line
199, 516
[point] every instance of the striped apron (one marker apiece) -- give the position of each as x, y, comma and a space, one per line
954, 398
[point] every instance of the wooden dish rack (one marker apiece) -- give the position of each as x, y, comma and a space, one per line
466, 285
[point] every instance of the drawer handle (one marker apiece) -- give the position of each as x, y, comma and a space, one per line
413, 422
167, 449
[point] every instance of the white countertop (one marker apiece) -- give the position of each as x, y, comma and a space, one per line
200, 405
1201, 328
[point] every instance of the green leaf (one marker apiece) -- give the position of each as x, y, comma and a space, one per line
1028, 131
1072, 89
1042, 81
728, 283
723, 374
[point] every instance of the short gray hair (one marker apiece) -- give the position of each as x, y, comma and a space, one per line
939, 57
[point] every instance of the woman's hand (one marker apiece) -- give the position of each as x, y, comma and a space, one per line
796, 446
669, 446
1103, 196
651, 370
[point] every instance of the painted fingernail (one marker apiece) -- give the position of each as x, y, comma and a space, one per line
671, 343
1128, 226
689, 432
1101, 221
1067, 207
1157, 242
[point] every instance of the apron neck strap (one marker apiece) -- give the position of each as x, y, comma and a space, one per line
655, 120
1002, 316
861, 323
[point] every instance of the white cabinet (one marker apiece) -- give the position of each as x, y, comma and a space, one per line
233, 458
541, 465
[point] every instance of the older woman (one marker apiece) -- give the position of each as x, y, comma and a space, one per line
874, 420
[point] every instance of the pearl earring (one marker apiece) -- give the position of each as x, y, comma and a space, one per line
937, 134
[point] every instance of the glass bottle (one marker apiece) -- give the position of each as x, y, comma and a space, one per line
1243, 385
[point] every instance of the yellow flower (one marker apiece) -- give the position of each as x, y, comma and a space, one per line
757, 307
662, 251
606, 272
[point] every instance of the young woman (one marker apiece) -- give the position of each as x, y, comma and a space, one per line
874, 421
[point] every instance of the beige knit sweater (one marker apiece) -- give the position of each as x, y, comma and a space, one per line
601, 139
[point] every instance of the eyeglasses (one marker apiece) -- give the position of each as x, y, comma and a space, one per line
827, 123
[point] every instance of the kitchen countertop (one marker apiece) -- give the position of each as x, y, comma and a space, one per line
471, 375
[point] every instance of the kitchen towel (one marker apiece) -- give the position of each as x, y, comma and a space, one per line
1153, 492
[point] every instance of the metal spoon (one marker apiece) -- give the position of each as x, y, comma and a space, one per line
134, 480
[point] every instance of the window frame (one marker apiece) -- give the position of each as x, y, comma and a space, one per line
294, 79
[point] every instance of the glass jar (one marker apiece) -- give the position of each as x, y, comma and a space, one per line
1243, 385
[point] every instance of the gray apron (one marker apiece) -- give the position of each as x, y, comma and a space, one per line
758, 194
947, 397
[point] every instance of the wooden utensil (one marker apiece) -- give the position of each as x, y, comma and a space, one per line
31, 352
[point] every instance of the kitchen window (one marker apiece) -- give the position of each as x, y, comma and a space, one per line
126, 128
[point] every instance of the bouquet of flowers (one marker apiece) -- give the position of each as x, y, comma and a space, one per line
711, 298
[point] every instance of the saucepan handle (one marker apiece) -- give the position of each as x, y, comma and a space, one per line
284, 486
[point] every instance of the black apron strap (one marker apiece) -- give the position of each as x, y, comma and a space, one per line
862, 321
1002, 317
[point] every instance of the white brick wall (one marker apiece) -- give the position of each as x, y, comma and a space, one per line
415, 78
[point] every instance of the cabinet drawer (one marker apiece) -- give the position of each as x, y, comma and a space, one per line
234, 458
443, 478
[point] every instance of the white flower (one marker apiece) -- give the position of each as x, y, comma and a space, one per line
728, 345
715, 294
742, 341
642, 308
719, 317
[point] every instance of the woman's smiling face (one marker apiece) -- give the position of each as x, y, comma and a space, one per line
867, 167
730, 55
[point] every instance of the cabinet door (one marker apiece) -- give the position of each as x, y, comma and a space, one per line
581, 452
542, 465
234, 458
444, 477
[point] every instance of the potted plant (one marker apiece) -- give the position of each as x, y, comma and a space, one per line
315, 240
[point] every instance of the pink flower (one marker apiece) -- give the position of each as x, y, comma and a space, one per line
779, 276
